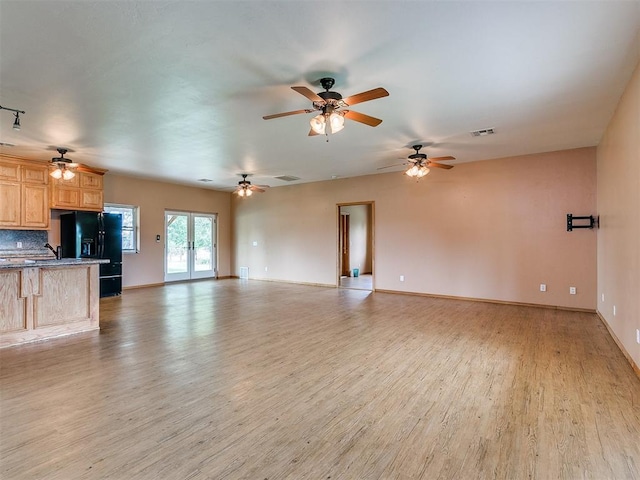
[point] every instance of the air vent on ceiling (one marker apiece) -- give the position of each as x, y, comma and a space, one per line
205, 180
287, 178
483, 132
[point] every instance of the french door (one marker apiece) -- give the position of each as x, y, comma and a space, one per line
190, 247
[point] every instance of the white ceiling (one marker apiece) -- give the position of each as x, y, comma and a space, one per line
176, 90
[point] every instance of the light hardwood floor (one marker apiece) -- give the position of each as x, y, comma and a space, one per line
257, 380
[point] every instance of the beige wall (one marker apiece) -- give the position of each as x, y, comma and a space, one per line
494, 230
618, 174
153, 198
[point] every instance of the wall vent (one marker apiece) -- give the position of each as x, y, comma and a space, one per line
244, 273
287, 178
484, 132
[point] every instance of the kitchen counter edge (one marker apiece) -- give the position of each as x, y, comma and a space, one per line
63, 262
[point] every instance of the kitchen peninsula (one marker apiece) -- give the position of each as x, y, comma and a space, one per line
46, 298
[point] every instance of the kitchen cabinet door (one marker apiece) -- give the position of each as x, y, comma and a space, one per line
9, 204
35, 206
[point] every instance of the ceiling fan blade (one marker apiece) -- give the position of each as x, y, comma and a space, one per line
284, 114
366, 96
439, 159
254, 188
394, 165
439, 165
312, 133
362, 118
314, 97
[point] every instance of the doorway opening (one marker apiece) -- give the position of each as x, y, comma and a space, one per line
190, 247
355, 246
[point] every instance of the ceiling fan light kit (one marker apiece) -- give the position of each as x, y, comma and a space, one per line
244, 192
417, 171
335, 120
62, 166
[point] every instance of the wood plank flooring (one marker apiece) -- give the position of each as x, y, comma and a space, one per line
235, 379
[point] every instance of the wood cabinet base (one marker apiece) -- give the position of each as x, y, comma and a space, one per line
45, 302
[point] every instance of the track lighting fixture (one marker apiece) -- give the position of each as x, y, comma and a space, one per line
16, 122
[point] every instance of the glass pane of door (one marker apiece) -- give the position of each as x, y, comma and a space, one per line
177, 246
203, 246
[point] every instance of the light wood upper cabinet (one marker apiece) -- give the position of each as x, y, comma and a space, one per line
34, 174
9, 204
35, 212
65, 197
82, 192
90, 180
9, 171
24, 195
91, 199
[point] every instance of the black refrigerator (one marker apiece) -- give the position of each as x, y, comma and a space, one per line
95, 235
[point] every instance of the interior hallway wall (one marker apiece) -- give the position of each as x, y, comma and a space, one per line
618, 175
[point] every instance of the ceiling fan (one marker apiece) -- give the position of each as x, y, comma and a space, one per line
419, 163
245, 189
332, 108
62, 166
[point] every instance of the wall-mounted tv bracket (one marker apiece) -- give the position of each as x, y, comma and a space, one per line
593, 222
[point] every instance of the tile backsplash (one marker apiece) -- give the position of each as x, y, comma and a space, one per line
32, 242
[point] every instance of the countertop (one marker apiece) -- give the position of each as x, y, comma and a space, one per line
22, 262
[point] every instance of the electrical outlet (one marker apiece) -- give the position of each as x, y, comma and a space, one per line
402, 278
603, 297
614, 310
637, 335
266, 269
572, 290
543, 287
18, 244
255, 244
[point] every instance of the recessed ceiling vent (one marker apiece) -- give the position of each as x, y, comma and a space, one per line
287, 178
205, 180
483, 133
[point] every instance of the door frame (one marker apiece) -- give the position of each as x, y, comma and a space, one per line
191, 273
344, 243
372, 240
